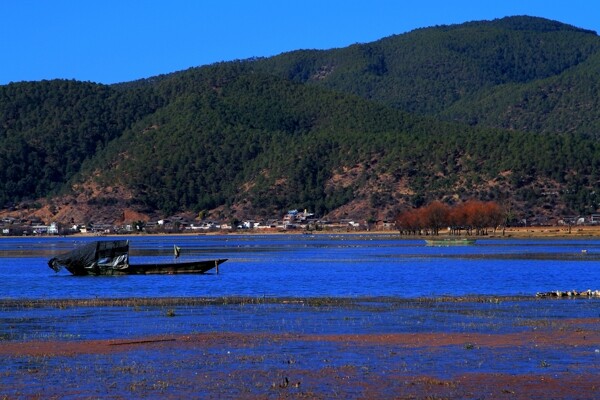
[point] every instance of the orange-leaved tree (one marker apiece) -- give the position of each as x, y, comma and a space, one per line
472, 215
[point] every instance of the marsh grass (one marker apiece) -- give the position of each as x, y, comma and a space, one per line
317, 302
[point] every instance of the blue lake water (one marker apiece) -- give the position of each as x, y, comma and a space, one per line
312, 265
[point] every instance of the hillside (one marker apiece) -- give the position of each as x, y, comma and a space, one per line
257, 145
498, 110
567, 102
48, 128
428, 70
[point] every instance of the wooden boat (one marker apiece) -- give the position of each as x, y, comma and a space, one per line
449, 242
111, 257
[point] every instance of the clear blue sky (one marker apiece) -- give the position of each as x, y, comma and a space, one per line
112, 41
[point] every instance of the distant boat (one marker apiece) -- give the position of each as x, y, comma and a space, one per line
450, 242
111, 257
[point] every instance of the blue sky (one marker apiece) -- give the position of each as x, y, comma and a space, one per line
113, 41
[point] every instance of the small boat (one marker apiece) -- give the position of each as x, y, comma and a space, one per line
111, 257
449, 242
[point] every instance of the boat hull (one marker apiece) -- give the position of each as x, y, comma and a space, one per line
111, 257
189, 267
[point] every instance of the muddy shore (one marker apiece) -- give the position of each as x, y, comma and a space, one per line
530, 232
377, 348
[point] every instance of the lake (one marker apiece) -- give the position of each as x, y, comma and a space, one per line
346, 265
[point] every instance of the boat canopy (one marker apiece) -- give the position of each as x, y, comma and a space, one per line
91, 255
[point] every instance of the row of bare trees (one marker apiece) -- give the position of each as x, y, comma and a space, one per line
472, 216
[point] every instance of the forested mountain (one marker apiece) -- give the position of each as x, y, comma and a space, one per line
428, 70
47, 129
499, 110
568, 102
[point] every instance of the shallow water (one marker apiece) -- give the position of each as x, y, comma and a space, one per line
312, 266
244, 350
364, 316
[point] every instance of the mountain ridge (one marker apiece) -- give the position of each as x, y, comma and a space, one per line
361, 132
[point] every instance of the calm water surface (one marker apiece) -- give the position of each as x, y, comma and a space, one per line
312, 265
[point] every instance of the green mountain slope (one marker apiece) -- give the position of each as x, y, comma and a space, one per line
48, 128
427, 70
254, 144
568, 102
251, 137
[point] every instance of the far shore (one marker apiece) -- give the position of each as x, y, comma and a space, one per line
541, 232
530, 232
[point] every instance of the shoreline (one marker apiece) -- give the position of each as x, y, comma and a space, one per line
538, 232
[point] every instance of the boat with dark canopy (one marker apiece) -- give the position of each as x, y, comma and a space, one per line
111, 257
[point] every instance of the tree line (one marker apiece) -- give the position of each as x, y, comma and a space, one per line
472, 217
